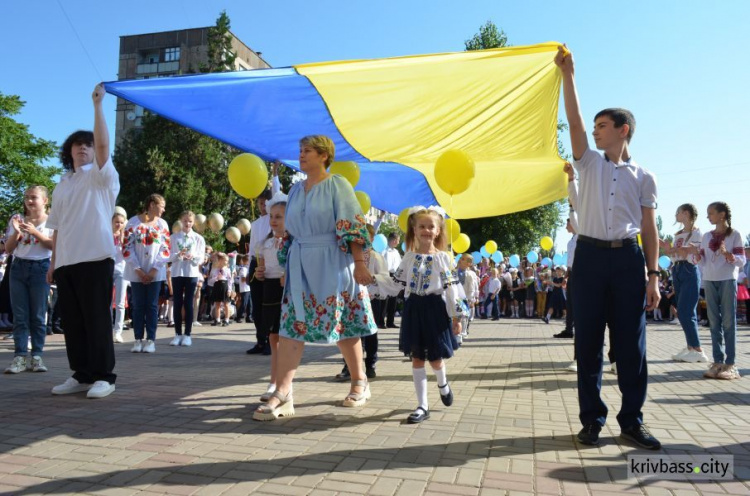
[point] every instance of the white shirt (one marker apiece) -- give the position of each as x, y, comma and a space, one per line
82, 207
375, 264
243, 271
683, 239
29, 247
392, 259
222, 274
196, 248
145, 247
572, 250
119, 259
610, 197
269, 250
714, 265
471, 285
422, 275
260, 228
493, 286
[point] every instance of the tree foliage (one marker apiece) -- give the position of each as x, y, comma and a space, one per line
518, 232
188, 168
21, 158
221, 57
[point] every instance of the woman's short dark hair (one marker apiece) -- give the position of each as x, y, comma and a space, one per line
78, 138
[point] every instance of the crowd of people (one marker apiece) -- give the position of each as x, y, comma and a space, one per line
310, 276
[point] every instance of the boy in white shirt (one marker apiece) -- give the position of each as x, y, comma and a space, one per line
83, 256
493, 290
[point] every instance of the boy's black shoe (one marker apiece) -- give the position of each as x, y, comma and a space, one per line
590, 434
255, 350
564, 334
267, 349
418, 416
640, 435
370, 372
344, 375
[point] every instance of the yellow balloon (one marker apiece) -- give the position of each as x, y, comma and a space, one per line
364, 201
403, 220
350, 171
490, 246
454, 171
462, 243
233, 235
248, 175
546, 243
452, 230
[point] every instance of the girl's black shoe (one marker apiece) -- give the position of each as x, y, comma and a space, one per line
418, 416
447, 399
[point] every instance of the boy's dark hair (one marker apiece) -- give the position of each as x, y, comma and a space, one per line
620, 116
393, 235
266, 195
77, 138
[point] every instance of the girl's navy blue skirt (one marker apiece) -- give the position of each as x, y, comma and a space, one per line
426, 331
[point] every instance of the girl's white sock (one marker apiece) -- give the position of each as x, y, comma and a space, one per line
442, 380
271, 388
420, 386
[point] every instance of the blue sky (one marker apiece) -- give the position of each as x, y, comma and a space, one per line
678, 65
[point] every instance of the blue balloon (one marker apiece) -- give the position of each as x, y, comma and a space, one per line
484, 252
664, 262
532, 256
379, 243
458, 257
557, 259
497, 257
515, 260
403, 246
546, 261
476, 256
565, 259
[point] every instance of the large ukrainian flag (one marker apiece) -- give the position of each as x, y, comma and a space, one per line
394, 117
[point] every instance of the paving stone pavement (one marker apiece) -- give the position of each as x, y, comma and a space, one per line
180, 422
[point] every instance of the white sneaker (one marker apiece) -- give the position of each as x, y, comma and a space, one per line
694, 356
70, 386
8, 336
678, 356
197, 324
37, 365
176, 341
187, 341
17, 366
100, 389
573, 367
613, 368
137, 346
149, 347
118, 338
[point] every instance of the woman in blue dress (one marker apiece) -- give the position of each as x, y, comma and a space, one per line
325, 295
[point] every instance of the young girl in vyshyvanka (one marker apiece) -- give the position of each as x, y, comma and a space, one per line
434, 303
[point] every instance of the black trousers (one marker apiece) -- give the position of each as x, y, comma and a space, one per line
610, 291
389, 310
377, 312
256, 297
569, 325
85, 297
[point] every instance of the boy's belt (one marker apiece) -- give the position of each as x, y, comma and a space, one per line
615, 243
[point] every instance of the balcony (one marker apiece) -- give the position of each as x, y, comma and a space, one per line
158, 67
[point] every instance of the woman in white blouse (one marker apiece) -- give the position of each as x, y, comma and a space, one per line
187, 250
30, 242
146, 253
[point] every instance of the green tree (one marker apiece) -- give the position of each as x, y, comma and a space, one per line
520, 231
188, 168
21, 158
221, 57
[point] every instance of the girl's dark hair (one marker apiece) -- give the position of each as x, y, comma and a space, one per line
689, 208
77, 138
723, 207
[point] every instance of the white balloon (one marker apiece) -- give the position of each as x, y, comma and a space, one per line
176, 227
232, 234
244, 226
200, 220
215, 222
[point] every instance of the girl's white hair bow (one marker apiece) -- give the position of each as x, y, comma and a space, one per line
432, 208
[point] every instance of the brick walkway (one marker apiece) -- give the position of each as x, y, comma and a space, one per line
180, 423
